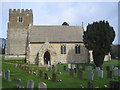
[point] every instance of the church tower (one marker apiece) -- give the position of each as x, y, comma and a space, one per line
19, 21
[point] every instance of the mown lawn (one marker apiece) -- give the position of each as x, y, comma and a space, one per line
67, 81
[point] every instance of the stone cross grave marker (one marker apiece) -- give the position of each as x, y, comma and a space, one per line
30, 84
100, 73
8, 75
42, 86
90, 75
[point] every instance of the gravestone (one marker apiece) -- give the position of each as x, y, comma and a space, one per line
80, 74
45, 76
71, 72
69, 66
16, 65
100, 73
89, 68
90, 75
19, 84
111, 67
65, 68
41, 73
42, 86
90, 84
73, 66
116, 71
3, 75
8, 75
30, 84
53, 77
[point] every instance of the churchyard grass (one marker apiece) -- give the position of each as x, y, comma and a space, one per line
67, 81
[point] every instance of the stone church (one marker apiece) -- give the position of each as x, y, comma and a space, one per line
43, 44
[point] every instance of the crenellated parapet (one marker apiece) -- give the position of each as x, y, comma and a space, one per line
19, 11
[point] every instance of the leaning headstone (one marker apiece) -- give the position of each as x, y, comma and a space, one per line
65, 68
100, 73
42, 86
90, 75
90, 84
89, 68
8, 75
80, 74
53, 77
71, 72
30, 84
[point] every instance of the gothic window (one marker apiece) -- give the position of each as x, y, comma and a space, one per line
77, 49
20, 19
63, 49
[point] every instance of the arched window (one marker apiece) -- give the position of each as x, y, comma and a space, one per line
63, 49
77, 49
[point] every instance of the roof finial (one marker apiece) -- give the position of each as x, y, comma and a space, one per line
82, 26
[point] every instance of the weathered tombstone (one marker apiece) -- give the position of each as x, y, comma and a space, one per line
8, 75
100, 73
89, 68
69, 66
80, 74
53, 77
19, 84
16, 65
45, 76
71, 72
65, 68
109, 74
111, 67
42, 86
90, 75
30, 84
73, 66
41, 73
90, 84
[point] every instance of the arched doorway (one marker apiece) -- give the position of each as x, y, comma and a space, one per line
46, 57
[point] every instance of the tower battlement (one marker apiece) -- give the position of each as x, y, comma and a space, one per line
19, 11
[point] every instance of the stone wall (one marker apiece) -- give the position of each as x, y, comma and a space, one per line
14, 57
69, 57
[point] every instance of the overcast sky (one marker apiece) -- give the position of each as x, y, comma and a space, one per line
55, 13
